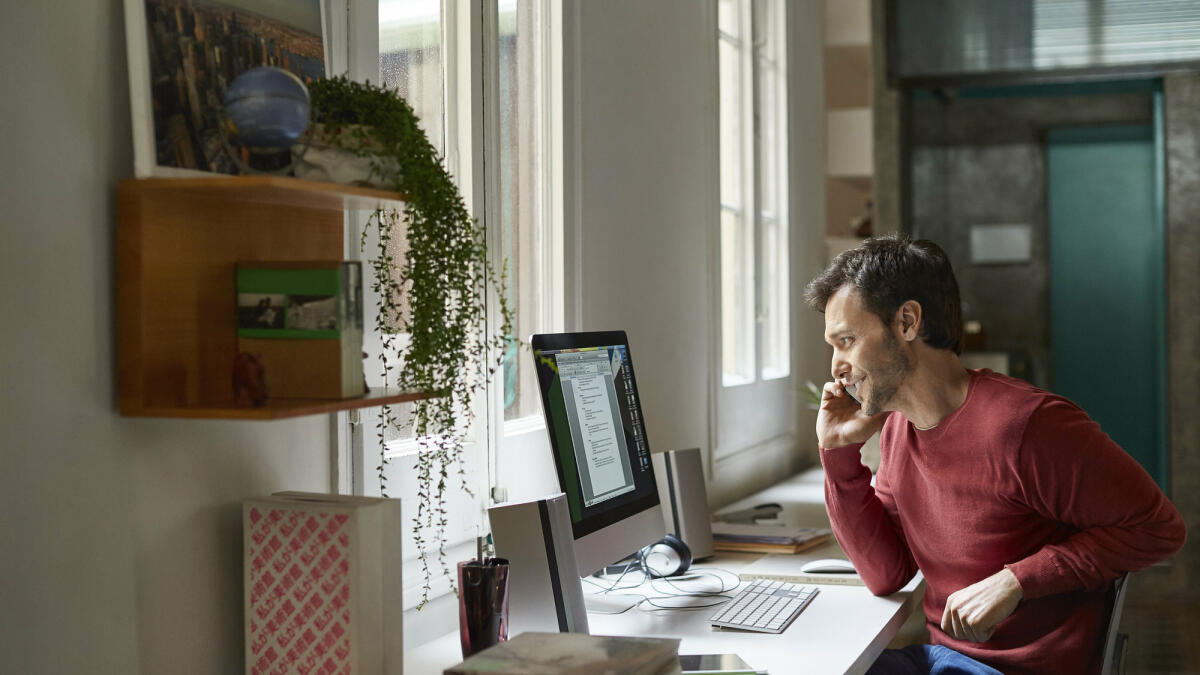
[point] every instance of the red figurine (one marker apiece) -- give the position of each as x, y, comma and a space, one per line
249, 380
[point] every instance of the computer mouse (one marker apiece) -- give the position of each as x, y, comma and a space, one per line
827, 566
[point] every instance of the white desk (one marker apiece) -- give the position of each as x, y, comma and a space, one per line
843, 630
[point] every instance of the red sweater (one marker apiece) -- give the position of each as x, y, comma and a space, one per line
1017, 478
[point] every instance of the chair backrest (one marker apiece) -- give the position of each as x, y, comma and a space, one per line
1114, 643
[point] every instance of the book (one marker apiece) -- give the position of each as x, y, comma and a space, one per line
767, 538
534, 653
787, 568
323, 589
304, 321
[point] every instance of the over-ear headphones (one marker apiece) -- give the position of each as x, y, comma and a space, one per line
667, 557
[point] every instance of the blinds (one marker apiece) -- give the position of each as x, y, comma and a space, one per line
941, 38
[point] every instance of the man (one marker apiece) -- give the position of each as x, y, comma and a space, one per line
1012, 502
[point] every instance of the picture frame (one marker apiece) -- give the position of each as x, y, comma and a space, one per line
186, 52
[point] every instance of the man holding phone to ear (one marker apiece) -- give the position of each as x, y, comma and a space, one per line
1017, 508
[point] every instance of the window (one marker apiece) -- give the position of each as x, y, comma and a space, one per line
529, 243
755, 319
428, 51
417, 41
528, 209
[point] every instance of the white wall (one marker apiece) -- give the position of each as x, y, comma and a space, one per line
121, 537
648, 119
649, 209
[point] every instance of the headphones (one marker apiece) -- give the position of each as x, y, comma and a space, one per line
667, 557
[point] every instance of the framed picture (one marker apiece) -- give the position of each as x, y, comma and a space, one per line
183, 55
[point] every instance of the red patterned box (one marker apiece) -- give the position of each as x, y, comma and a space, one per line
323, 587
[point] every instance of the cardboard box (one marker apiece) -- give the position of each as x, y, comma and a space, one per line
323, 586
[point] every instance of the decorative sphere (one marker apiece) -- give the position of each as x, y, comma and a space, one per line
268, 108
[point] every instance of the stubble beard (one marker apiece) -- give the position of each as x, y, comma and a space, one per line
887, 377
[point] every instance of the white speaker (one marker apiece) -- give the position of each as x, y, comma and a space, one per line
544, 592
680, 477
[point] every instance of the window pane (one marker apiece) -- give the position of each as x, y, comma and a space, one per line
410, 59
773, 177
769, 143
737, 300
522, 119
775, 325
730, 125
738, 333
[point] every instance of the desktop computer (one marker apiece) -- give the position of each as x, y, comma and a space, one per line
609, 502
601, 451
602, 457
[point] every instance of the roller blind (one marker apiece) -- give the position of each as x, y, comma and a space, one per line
939, 38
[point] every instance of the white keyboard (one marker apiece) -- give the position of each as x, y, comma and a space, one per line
764, 606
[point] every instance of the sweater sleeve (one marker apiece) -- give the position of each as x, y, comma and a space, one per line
1117, 518
865, 522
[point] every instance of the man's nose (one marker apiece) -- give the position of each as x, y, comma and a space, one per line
839, 368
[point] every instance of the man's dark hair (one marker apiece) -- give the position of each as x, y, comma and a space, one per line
888, 271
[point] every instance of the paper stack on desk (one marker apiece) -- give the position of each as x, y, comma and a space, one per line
767, 538
787, 568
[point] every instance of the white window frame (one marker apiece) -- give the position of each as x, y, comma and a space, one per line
353, 434
468, 58
522, 466
759, 414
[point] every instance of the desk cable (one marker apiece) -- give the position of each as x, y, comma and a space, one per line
665, 594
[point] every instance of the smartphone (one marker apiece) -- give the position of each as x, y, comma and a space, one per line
715, 663
852, 389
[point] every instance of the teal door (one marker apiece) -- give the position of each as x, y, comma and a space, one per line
1107, 298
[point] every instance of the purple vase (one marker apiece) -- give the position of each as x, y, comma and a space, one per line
482, 604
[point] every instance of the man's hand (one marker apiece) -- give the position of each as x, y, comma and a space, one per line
841, 421
973, 612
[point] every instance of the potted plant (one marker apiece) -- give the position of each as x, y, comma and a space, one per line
436, 295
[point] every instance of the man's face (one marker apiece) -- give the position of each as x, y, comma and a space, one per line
865, 352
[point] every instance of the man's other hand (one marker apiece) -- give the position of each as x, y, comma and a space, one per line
841, 421
973, 612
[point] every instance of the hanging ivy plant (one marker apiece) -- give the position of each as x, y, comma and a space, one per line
436, 296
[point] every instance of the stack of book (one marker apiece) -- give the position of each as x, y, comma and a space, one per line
767, 538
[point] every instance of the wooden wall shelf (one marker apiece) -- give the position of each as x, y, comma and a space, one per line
178, 240
279, 408
279, 190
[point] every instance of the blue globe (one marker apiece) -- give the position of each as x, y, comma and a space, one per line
268, 108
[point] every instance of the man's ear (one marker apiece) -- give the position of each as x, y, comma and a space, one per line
908, 320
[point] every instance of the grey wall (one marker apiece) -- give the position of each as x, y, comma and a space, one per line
981, 161
121, 537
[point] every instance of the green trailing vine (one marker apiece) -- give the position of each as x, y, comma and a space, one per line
436, 296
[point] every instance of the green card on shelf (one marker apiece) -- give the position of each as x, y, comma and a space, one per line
303, 319
535, 653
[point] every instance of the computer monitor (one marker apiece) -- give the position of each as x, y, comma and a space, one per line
601, 452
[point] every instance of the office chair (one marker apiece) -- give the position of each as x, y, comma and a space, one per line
1114, 643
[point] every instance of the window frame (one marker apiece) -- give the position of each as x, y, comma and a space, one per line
470, 65
759, 413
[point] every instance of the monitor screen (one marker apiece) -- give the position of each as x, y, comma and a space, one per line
597, 432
